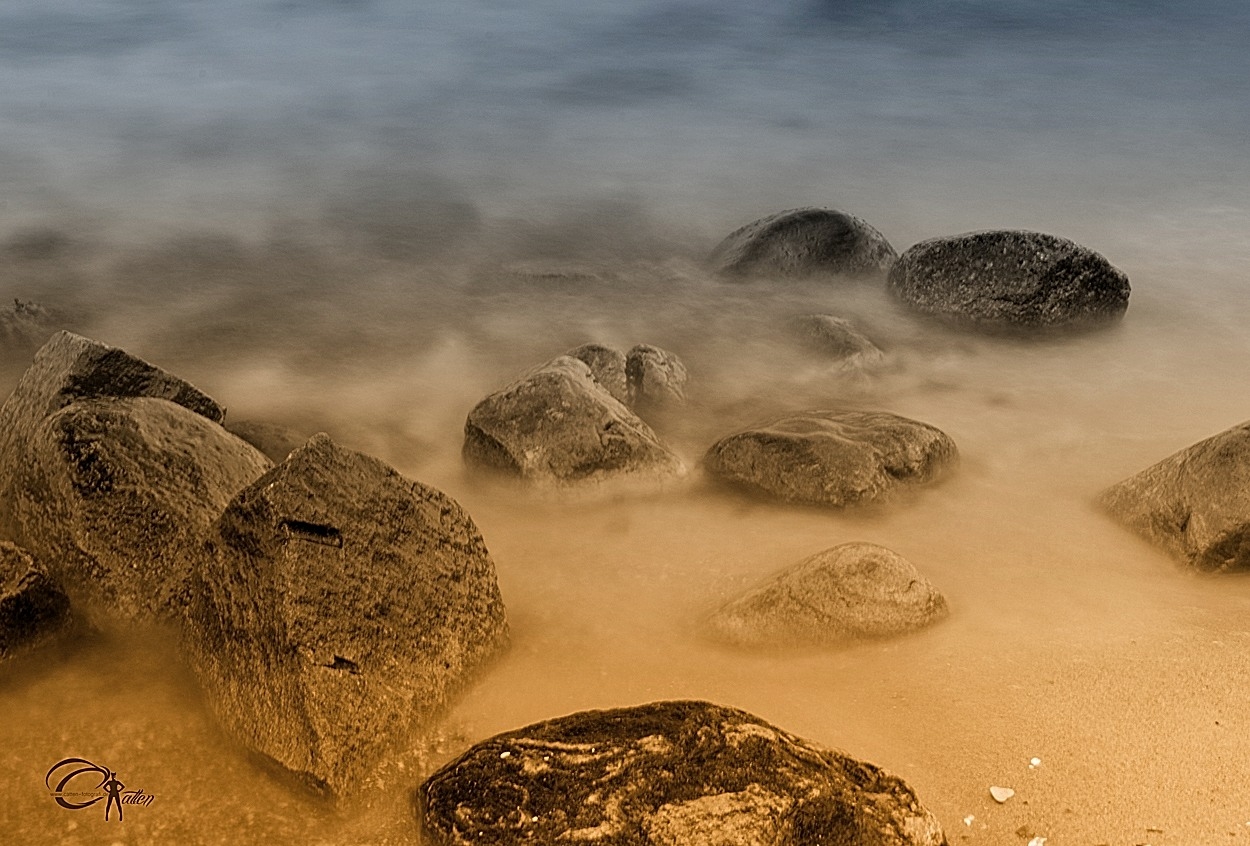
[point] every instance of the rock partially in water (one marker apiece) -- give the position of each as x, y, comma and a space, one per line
607, 365
114, 496
1194, 504
804, 242
838, 339
558, 426
340, 607
833, 458
33, 610
853, 591
24, 327
1010, 279
274, 440
656, 377
667, 774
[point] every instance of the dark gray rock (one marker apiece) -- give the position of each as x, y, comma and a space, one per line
1010, 279
33, 609
607, 365
838, 339
275, 441
560, 426
804, 242
832, 458
1194, 504
340, 607
853, 591
667, 774
656, 377
115, 497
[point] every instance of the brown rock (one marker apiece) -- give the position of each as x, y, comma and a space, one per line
32, 608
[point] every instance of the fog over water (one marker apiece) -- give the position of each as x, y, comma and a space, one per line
363, 217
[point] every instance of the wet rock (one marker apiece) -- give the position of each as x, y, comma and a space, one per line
1010, 279
32, 608
833, 458
849, 592
606, 365
115, 497
559, 425
656, 377
804, 242
24, 326
275, 441
838, 339
667, 774
340, 606
1194, 504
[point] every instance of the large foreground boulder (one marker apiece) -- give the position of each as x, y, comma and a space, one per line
115, 498
1194, 504
804, 242
559, 426
850, 592
341, 605
32, 608
832, 458
667, 774
1010, 279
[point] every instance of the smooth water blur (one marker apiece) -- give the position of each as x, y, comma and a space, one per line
362, 217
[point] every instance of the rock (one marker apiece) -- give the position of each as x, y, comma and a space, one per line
558, 425
23, 327
340, 606
1001, 794
32, 608
833, 458
656, 377
1194, 504
667, 774
606, 365
837, 338
804, 242
849, 592
115, 497
1010, 279
276, 442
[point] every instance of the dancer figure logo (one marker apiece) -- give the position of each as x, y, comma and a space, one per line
77, 788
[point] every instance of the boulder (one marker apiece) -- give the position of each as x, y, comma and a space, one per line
838, 339
340, 606
115, 497
558, 425
667, 774
32, 608
804, 242
1010, 279
832, 458
606, 365
850, 592
1194, 504
275, 441
656, 377
24, 326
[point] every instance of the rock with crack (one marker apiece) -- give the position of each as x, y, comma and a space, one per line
559, 426
802, 243
1006, 279
340, 607
1194, 504
667, 774
851, 592
33, 610
833, 458
607, 365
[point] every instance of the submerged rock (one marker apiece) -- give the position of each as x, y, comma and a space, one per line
839, 339
1195, 504
24, 326
656, 377
559, 425
32, 608
340, 606
607, 365
849, 592
804, 242
115, 497
833, 458
667, 774
1010, 279
275, 441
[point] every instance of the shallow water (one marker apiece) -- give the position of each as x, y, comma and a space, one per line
363, 217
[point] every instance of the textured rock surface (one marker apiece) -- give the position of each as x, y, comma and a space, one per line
607, 365
656, 377
832, 458
1009, 279
341, 605
804, 242
837, 338
558, 425
1195, 504
852, 591
32, 608
115, 496
667, 774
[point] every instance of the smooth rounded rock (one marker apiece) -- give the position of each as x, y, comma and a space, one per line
839, 339
802, 243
